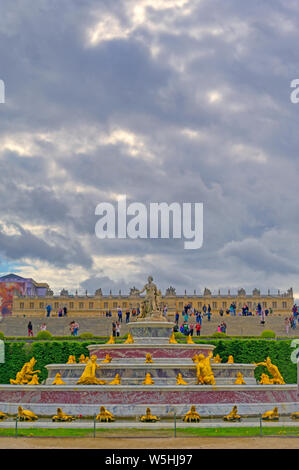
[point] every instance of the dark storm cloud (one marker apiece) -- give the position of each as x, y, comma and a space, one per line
206, 95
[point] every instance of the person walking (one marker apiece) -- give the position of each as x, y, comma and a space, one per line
43, 327
72, 328
65, 311
287, 325
177, 317
48, 309
191, 328
113, 329
128, 316
117, 328
76, 328
197, 328
30, 329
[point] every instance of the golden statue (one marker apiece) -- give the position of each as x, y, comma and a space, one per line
148, 380
105, 415
180, 380
62, 416
151, 305
3, 416
26, 415
239, 380
271, 415
129, 339
273, 370
195, 358
190, 340
148, 358
89, 375
83, 359
71, 360
172, 339
116, 380
230, 359
265, 380
58, 380
34, 380
192, 416
232, 416
204, 370
217, 359
26, 373
295, 415
111, 340
107, 359
149, 418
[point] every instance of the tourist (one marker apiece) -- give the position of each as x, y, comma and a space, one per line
43, 327
117, 328
113, 329
120, 315
209, 316
221, 312
218, 329
72, 328
133, 312
128, 316
262, 316
177, 317
65, 311
30, 329
60, 312
191, 328
198, 328
204, 308
48, 309
76, 328
287, 325
223, 327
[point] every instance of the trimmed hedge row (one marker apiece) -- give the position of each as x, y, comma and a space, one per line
244, 351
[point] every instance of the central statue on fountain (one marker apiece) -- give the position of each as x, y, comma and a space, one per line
151, 306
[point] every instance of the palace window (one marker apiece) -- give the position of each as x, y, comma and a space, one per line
284, 305
214, 304
21, 304
81, 305
124, 304
264, 304
114, 304
224, 304
71, 304
199, 304
56, 305
90, 305
41, 305
31, 305
274, 304
105, 304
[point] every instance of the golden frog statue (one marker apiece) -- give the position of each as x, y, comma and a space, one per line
107, 359
271, 415
172, 339
26, 373
148, 358
62, 416
89, 375
116, 380
233, 415
204, 371
105, 415
129, 339
26, 415
58, 380
3, 416
83, 359
180, 380
148, 380
240, 380
149, 418
192, 416
111, 340
230, 359
71, 360
190, 340
295, 415
273, 370
34, 380
265, 380
217, 359
195, 358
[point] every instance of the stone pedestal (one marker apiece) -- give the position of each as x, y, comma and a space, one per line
151, 331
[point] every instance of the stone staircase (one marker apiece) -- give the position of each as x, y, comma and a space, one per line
102, 326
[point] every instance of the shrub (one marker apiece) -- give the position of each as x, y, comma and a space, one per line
86, 336
219, 334
44, 335
1, 335
268, 334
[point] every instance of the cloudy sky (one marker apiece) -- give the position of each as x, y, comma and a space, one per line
161, 101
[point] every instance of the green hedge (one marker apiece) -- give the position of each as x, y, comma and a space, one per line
244, 351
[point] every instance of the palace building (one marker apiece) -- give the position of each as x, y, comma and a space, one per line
35, 302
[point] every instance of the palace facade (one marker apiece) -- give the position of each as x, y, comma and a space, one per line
97, 304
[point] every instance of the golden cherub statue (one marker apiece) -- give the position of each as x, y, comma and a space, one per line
265, 380
3, 416
180, 380
192, 416
149, 418
190, 340
204, 370
230, 359
273, 370
172, 339
34, 380
232, 416
240, 380
217, 359
111, 340
148, 380
105, 415
83, 359
107, 359
58, 380
26, 373
116, 380
89, 375
26, 415
129, 339
195, 358
271, 415
71, 360
148, 358
62, 416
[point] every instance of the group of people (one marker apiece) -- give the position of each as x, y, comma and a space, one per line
62, 312
222, 327
115, 328
74, 328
